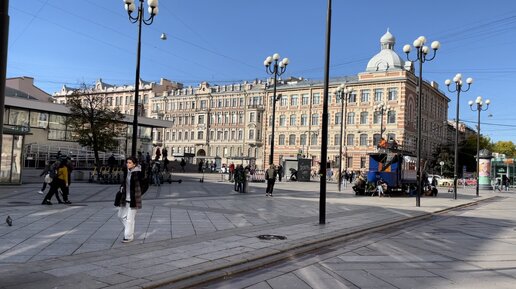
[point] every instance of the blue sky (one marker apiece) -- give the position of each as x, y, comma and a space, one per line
70, 42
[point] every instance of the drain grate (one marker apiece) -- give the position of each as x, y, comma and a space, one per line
271, 237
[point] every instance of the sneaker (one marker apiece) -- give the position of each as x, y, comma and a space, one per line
46, 202
68, 202
124, 240
40, 192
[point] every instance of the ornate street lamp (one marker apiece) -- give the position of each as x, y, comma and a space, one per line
153, 11
458, 88
479, 108
343, 94
421, 56
276, 68
381, 108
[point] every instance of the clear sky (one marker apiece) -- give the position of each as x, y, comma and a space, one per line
62, 42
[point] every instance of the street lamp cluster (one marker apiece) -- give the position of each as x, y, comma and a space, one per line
421, 56
478, 105
275, 67
343, 94
458, 88
139, 18
381, 108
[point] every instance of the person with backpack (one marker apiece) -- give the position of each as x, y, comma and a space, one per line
133, 187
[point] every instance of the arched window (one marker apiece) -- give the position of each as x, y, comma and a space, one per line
282, 120
292, 119
292, 139
282, 139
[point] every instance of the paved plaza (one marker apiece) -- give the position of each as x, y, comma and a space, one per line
185, 233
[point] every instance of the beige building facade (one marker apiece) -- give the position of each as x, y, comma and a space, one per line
234, 121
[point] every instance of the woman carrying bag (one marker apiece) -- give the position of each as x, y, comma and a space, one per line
132, 189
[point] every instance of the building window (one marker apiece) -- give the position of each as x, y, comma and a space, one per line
294, 100
378, 95
316, 98
304, 120
391, 116
251, 134
362, 162
363, 139
302, 139
292, 119
313, 139
351, 118
252, 116
338, 118
393, 93
200, 119
281, 139
376, 117
353, 97
305, 99
240, 135
292, 139
282, 119
364, 95
391, 136
315, 119
376, 139
363, 117
283, 100
350, 139
337, 139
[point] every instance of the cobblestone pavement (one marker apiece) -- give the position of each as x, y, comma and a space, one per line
473, 247
183, 231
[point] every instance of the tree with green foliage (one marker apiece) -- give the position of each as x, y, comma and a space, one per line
468, 151
444, 154
94, 124
505, 147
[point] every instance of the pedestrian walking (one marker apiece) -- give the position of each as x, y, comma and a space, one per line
133, 188
239, 179
280, 172
44, 173
183, 164
59, 182
270, 176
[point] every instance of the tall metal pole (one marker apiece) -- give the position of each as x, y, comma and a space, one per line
4, 41
456, 160
381, 121
137, 81
343, 97
275, 69
458, 88
271, 156
324, 135
422, 52
419, 127
478, 150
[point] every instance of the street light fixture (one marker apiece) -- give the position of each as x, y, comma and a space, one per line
381, 108
479, 108
458, 88
274, 67
421, 56
153, 11
343, 94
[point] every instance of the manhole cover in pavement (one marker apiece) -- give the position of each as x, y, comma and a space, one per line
271, 237
19, 203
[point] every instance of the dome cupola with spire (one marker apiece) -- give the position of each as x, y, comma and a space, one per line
387, 58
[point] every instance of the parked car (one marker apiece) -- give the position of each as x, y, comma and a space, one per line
445, 182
